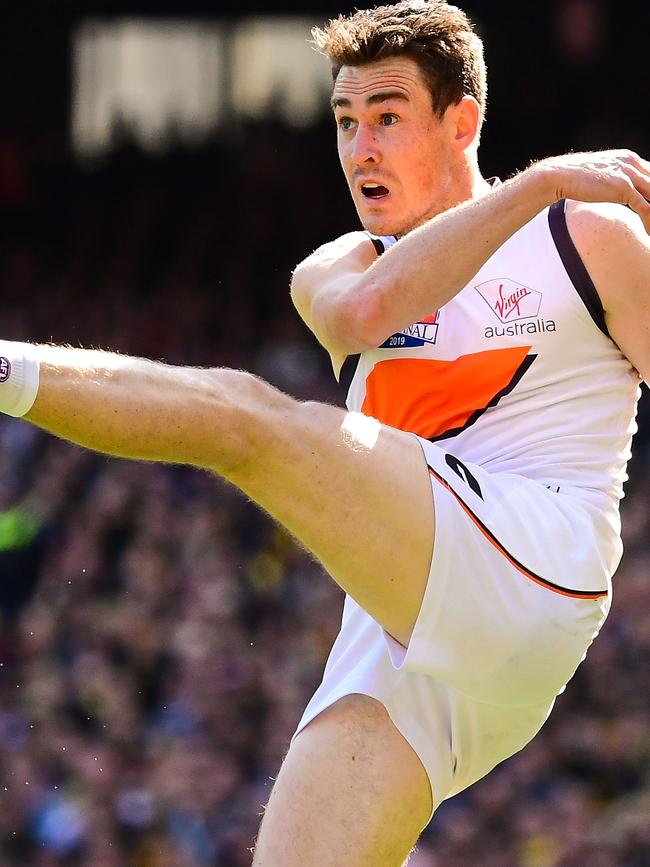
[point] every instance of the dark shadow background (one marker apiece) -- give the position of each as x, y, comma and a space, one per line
159, 637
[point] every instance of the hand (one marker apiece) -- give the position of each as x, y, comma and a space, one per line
618, 176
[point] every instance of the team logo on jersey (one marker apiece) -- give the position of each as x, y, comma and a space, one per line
510, 301
5, 369
424, 331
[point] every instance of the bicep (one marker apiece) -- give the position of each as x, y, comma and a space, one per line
630, 330
627, 301
632, 335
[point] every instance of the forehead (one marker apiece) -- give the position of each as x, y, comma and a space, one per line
398, 76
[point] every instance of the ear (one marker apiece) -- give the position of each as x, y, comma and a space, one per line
466, 120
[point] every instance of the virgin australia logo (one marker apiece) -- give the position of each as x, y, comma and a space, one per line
509, 300
424, 331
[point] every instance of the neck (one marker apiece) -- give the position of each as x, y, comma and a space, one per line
461, 185
466, 183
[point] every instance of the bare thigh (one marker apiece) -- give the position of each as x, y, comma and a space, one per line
351, 792
357, 494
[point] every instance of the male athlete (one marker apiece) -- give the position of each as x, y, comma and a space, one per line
467, 502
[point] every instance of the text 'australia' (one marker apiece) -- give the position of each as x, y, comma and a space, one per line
516, 328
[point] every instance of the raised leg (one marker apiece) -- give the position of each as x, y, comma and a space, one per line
354, 492
351, 793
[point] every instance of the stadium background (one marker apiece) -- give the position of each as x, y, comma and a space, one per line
159, 637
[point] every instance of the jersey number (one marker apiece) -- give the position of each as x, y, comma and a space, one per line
461, 470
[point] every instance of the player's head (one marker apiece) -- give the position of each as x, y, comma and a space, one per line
424, 56
438, 37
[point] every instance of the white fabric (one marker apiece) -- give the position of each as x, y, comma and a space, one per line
503, 625
491, 647
568, 421
19, 377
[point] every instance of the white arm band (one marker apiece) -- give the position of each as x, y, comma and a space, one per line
19, 377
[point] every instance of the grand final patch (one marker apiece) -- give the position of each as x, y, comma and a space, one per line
422, 332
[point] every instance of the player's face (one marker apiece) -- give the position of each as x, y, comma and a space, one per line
396, 154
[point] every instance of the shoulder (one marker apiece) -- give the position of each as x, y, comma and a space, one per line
593, 222
614, 247
604, 228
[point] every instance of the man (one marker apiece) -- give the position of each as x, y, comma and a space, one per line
477, 554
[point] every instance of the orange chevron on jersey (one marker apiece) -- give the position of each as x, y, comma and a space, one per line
433, 398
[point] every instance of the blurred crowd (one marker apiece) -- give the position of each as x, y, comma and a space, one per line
159, 636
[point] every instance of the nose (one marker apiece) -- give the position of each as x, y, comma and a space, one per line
365, 148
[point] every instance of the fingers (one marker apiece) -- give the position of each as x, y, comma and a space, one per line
622, 176
640, 205
637, 171
638, 162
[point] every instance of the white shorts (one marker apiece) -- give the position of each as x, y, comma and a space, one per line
516, 593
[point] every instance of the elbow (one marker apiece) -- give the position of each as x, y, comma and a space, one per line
348, 316
297, 286
369, 319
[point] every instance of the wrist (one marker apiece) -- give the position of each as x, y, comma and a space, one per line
541, 183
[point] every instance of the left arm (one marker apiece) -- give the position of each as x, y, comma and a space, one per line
615, 248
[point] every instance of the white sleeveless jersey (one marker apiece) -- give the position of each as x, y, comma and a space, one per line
517, 373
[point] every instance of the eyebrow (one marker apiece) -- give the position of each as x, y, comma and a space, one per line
384, 96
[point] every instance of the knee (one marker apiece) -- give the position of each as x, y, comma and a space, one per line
360, 733
357, 722
249, 413
355, 711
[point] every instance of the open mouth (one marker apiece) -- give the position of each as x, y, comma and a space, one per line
373, 191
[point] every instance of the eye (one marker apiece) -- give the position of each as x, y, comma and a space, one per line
388, 119
344, 123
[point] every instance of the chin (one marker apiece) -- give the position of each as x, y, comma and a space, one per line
382, 226
387, 224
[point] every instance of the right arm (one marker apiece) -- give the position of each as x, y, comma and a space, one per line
353, 301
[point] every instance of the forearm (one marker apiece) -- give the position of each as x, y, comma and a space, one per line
129, 407
435, 261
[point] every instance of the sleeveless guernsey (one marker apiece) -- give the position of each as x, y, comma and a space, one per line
516, 388
517, 373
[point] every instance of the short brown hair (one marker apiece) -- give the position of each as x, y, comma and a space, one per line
439, 37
